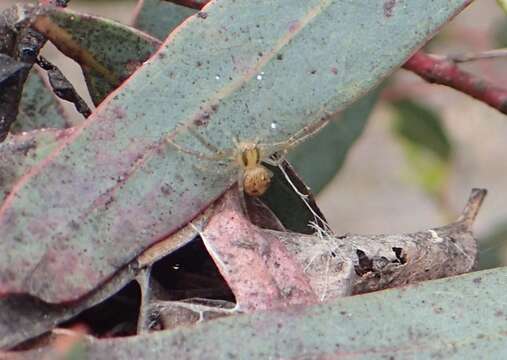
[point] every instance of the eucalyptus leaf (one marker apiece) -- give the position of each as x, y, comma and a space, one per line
116, 185
319, 159
493, 246
160, 17
500, 33
39, 108
426, 145
288, 205
108, 52
10, 69
502, 4
19, 153
423, 127
461, 317
24, 318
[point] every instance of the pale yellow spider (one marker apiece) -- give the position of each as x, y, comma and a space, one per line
254, 178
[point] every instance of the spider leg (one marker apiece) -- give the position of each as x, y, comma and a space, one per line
235, 141
214, 170
300, 136
276, 159
218, 154
225, 153
241, 189
197, 154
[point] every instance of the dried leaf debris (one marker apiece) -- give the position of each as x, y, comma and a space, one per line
343, 265
321, 267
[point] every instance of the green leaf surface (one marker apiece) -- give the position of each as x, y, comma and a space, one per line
423, 127
10, 69
500, 33
23, 318
287, 205
319, 159
19, 153
118, 49
493, 247
426, 145
117, 186
462, 317
39, 108
502, 4
159, 17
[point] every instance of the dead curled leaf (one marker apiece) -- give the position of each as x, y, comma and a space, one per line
267, 268
257, 267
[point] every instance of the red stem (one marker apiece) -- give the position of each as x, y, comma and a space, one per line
444, 72
430, 68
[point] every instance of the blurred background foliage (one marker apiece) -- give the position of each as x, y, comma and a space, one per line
416, 149
427, 149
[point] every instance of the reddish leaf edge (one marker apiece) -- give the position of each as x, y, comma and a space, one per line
152, 150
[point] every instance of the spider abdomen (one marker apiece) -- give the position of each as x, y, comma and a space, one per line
256, 180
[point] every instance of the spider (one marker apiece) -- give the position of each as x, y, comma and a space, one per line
253, 177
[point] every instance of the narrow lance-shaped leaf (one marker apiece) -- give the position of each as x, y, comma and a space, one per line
39, 108
159, 18
116, 186
455, 318
502, 4
427, 148
23, 318
320, 159
297, 213
423, 127
19, 153
493, 246
12, 75
107, 51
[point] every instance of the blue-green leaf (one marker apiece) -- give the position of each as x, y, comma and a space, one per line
159, 17
319, 159
38, 107
116, 186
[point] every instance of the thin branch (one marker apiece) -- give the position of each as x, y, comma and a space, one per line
445, 72
467, 57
